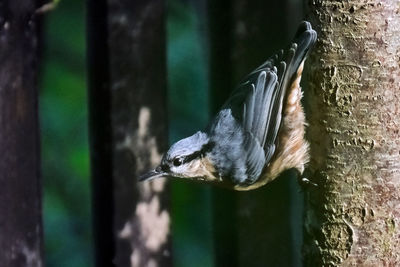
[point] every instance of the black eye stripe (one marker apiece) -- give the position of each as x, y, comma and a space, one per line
177, 161
165, 168
204, 149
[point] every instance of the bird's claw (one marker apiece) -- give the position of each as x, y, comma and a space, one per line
306, 183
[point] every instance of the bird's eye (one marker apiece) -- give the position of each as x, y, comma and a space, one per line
177, 162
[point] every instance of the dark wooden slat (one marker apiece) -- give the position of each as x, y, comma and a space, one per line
128, 131
21, 237
224, 202
100, 132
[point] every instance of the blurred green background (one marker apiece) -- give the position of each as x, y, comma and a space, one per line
64, 126
188, 107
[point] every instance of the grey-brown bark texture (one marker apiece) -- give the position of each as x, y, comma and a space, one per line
353, 217
252, 228
129, 131
20, 192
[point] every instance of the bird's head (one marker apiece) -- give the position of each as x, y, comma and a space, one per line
187, 158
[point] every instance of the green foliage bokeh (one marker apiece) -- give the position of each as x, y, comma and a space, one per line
188, 107
64, 137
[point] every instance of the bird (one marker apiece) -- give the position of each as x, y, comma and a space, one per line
257, 134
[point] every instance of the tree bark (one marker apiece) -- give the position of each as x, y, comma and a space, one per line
353, 216
21, 237
128, 131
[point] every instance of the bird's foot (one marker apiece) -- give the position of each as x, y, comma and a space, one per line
306, 182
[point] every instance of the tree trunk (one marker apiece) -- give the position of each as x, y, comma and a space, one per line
128, 131
353, 216
20, 186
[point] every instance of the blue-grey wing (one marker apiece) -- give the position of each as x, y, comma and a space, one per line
256, 108
237, 155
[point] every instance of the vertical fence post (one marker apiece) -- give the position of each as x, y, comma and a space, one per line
223, 202
20, 186
127, 75
252, 228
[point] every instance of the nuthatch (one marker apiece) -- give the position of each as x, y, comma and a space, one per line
258, 133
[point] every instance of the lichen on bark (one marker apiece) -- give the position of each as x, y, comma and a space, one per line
353, 217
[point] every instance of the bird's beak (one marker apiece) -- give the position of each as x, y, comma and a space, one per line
156, 173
